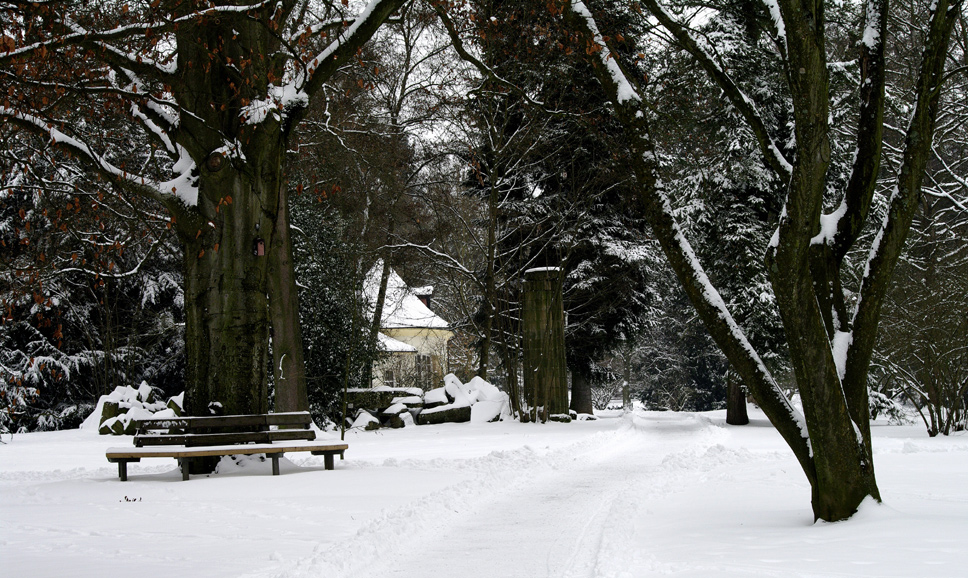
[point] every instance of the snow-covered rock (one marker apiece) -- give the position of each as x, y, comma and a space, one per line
116, 411
436, 397
365, 420
487, 411
450, 413
395, 409
460, 396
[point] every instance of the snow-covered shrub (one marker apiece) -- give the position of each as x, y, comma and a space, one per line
602, 396
881, 404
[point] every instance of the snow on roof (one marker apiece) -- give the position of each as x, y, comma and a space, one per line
541, 269
401, 308
392, 345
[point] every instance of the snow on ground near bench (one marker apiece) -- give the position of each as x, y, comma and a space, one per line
653, 494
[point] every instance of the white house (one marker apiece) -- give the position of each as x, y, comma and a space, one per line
413, 337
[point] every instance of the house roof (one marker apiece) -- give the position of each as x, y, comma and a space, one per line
392, 345
401, 308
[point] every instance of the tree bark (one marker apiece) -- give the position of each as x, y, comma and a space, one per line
288, 356
736, 413
627, 380
226, 310
545, 370
509, 359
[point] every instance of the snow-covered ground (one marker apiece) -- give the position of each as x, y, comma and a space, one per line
642, 495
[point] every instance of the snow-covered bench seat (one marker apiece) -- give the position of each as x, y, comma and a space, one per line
188, 438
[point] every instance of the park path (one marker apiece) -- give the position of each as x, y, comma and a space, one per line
569, 514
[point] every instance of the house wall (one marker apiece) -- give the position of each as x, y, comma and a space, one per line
428, 342
402, 366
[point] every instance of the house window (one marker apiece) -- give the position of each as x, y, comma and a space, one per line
424, 373
389, 379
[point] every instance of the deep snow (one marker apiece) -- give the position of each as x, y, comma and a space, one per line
642, 495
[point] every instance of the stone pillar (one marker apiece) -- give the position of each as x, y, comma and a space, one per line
543, 323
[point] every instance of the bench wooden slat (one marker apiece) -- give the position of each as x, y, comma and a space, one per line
208, 439
129, 454
262, 422
262, 437
295, 418
142, 440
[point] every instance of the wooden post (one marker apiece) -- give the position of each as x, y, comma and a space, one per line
545, 372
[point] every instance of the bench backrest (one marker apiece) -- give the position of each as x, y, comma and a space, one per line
227, 429
211, 424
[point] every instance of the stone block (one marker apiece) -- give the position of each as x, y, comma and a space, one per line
444, 415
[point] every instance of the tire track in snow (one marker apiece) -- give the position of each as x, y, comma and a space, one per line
568, 513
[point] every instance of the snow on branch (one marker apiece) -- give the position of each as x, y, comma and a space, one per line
780, 27
345, 37
772, 153
313, 30
872, 30
152, 249
278, 100
184, 187
624, 89
291, 98
79, 35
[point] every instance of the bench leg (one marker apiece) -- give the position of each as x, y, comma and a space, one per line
328, 460
275, 463
123, 471
185, 467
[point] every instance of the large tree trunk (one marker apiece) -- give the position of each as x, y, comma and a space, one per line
226, 310
841, 456
288, 356
229, 238
736, 413
543, 328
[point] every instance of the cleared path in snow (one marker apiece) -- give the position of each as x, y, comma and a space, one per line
570, 513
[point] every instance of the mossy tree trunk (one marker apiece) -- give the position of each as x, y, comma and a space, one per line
240, 280
288, 361
229, 233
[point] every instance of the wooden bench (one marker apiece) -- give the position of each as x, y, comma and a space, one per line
188, 438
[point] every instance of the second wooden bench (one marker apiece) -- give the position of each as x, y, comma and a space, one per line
188, 438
